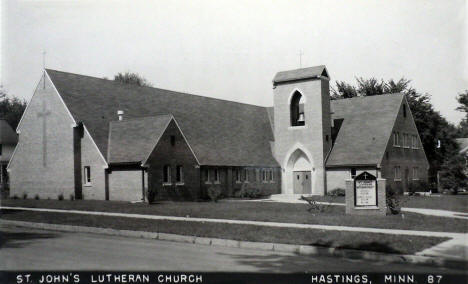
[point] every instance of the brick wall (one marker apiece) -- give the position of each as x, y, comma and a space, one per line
336, 177
28, 173
125, 185
90, 157
406, 158
230, 186
312, 136
179, 154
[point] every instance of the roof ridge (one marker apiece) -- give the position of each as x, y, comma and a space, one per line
141, 117
155, 88
364, 97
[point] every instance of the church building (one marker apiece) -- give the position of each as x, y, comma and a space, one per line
90, 138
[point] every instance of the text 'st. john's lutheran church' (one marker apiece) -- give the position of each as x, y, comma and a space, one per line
92, 138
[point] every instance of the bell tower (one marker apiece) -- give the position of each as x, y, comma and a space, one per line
302, 128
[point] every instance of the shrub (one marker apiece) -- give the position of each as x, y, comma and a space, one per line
36, 197
60, 197
214, 193
337, 192
392, 200
25, 195
151, 195
72, 197
253, 192
452, 175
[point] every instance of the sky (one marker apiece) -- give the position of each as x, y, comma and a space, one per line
232, 49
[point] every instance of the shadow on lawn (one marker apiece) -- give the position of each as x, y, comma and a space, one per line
364, 246
19, 240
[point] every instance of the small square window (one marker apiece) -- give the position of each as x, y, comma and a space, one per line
87, 175
238, 176
216, 175
246, 175
167, 174
179, 174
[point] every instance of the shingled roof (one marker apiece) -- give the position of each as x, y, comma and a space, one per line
366, 129
132, 140
300, 74
220, 132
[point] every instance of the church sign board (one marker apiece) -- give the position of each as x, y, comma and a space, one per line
365, 195
365, 190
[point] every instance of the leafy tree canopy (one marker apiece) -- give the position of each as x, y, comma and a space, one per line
11, 108
132, 78
463, 107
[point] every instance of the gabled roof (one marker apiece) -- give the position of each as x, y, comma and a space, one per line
7, 134
300, 74
366, 129
463, 143
132, 140
220, 132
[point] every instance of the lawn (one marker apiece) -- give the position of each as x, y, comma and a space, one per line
442, 202
257, 211
351, 240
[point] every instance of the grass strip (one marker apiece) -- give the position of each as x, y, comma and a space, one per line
339, 239
257, 211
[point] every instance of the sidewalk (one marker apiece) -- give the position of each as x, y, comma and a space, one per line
292, 198
456, 248
246, 222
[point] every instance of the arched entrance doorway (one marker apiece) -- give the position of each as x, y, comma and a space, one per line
299, 173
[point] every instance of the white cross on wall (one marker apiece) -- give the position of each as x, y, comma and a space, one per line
44, 115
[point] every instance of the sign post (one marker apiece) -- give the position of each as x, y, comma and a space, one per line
365, 195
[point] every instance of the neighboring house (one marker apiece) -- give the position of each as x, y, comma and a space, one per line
463, 144
99, 139
8, 140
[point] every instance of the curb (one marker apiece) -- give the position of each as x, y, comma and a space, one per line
299, 249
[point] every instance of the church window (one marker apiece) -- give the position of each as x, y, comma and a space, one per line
87, 175
167, 174
216, 175
238, 175
172, 140
415, 173
353, 172
404, 110
397, 172
271, 175
396, 139
207, 176
179, 174
246, 175
415, 142
297, 110
264, 175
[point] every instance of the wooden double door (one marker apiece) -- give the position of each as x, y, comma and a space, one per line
302, 181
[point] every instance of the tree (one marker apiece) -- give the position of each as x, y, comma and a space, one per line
463, 107
431, 126
452, 174
132, 78
343, 91
11, 108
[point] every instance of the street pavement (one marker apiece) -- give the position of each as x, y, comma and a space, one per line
32, 249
